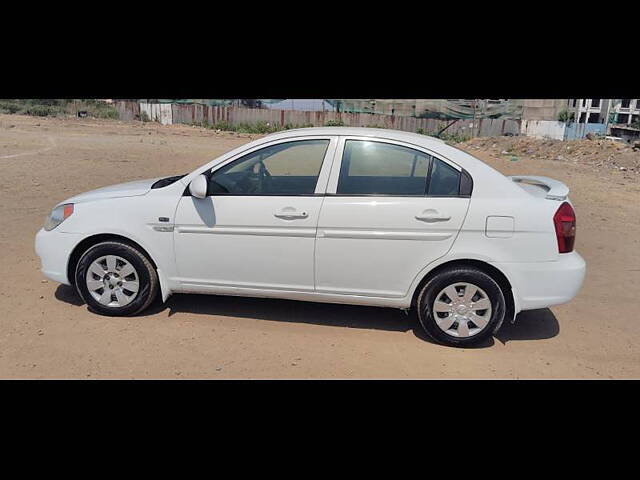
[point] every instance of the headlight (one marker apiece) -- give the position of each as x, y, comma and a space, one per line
58, 215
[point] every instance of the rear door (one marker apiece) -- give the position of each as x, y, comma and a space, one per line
391, 208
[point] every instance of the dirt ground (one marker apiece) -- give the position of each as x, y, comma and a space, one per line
46, 332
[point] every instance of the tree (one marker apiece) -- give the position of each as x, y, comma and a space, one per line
251, 102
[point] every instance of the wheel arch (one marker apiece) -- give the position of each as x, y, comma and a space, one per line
499, 276
92, 240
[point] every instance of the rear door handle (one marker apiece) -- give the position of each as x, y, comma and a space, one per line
290, 214
433, 218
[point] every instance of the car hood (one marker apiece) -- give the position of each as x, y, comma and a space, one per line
129, 189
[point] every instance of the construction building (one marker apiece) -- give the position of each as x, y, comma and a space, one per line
543, 109
617, 117
626, 111
589, 110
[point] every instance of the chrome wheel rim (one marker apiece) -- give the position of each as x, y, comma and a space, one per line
112, 281
462, 310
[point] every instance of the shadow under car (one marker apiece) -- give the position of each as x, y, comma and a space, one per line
529, 325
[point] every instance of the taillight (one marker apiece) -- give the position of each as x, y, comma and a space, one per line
565, 223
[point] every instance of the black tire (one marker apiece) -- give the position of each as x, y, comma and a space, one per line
451, 276
148, 278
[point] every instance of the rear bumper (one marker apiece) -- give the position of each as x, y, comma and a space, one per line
54, 249
545, 284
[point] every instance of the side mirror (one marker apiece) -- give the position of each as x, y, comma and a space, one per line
198, 186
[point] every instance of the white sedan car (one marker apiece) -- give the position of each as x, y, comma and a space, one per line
344, 215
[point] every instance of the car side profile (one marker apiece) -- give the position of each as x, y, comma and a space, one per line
335, 214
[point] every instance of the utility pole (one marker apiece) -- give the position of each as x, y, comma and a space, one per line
610, 102
473, 124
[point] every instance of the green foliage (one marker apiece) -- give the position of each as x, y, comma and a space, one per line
259, 127
103, 110
454, 137
290, 126
446, 136
334, 123
9, 106
45, 107
42, 110
50, 102
203, 124
113, 114
565, 116
264, 127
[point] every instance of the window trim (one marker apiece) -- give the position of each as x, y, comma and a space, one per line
336, 168
323, 174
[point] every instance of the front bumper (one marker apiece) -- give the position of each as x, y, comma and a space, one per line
54, 249
545, 284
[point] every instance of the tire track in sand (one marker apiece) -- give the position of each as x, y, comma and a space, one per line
50, 139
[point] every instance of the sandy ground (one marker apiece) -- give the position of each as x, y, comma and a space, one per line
46, 332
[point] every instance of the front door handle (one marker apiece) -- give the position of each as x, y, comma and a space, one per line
287, 214
432, 217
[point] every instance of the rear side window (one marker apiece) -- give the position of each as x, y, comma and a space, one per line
445, 180
370, 168
290, 168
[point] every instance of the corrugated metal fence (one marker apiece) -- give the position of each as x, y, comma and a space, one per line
197, 114
580, 130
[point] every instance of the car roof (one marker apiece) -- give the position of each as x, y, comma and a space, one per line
400, 135
436, 145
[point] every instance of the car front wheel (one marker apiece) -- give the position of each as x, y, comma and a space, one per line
116, 279
461, 306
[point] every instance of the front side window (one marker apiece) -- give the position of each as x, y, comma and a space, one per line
370, 168
290, 168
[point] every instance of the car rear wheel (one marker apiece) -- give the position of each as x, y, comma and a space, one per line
116, 279
461, 306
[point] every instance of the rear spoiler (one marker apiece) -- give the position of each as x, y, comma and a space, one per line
555, 190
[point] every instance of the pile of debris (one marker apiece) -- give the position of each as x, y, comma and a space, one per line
597, 152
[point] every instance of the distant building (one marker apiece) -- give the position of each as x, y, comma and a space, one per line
619, 117
543, 109
624, 119
626, 111
589, 110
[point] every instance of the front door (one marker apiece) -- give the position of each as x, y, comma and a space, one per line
256, 228
390, 210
